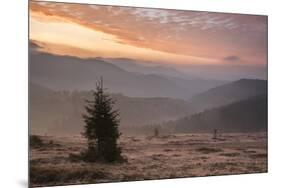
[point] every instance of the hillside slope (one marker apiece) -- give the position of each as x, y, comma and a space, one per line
61, 111
249, 115
228, 93
72, 73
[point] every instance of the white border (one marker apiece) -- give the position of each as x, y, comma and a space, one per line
13, 82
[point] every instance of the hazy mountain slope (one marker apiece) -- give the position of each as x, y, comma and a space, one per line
48, 109
70, 73
143, 67
228, 93
61, 112
192, 84
195, 86
243, 116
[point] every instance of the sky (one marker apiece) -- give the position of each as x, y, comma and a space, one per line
181, 39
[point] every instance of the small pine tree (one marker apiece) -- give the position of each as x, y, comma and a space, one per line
101, 127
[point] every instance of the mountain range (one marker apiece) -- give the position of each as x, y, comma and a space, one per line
248, 115
228, 93
72, 73
145, 94
61, 111
146, 67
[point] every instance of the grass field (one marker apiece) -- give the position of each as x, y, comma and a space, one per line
167, 156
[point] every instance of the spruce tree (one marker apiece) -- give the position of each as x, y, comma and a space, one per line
101, 127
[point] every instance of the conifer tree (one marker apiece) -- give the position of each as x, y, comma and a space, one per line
101, 127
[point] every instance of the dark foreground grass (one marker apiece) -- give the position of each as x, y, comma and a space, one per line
207, 150
59, 176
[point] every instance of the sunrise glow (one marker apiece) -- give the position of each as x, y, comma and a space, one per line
163, 36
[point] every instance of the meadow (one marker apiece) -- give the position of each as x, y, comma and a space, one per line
148, 157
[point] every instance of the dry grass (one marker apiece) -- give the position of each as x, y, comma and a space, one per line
207, 150
171, 156
234, 154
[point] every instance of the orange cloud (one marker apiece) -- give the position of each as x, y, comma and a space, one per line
201, 35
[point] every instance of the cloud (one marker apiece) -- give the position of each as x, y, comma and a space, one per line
34, 46
189, 33
59, 49
232, 58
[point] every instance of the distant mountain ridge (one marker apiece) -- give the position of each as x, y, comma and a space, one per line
228, 93
144, 67
72, 73
248, 115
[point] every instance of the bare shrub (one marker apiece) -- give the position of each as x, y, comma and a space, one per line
156, 132
35, 141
